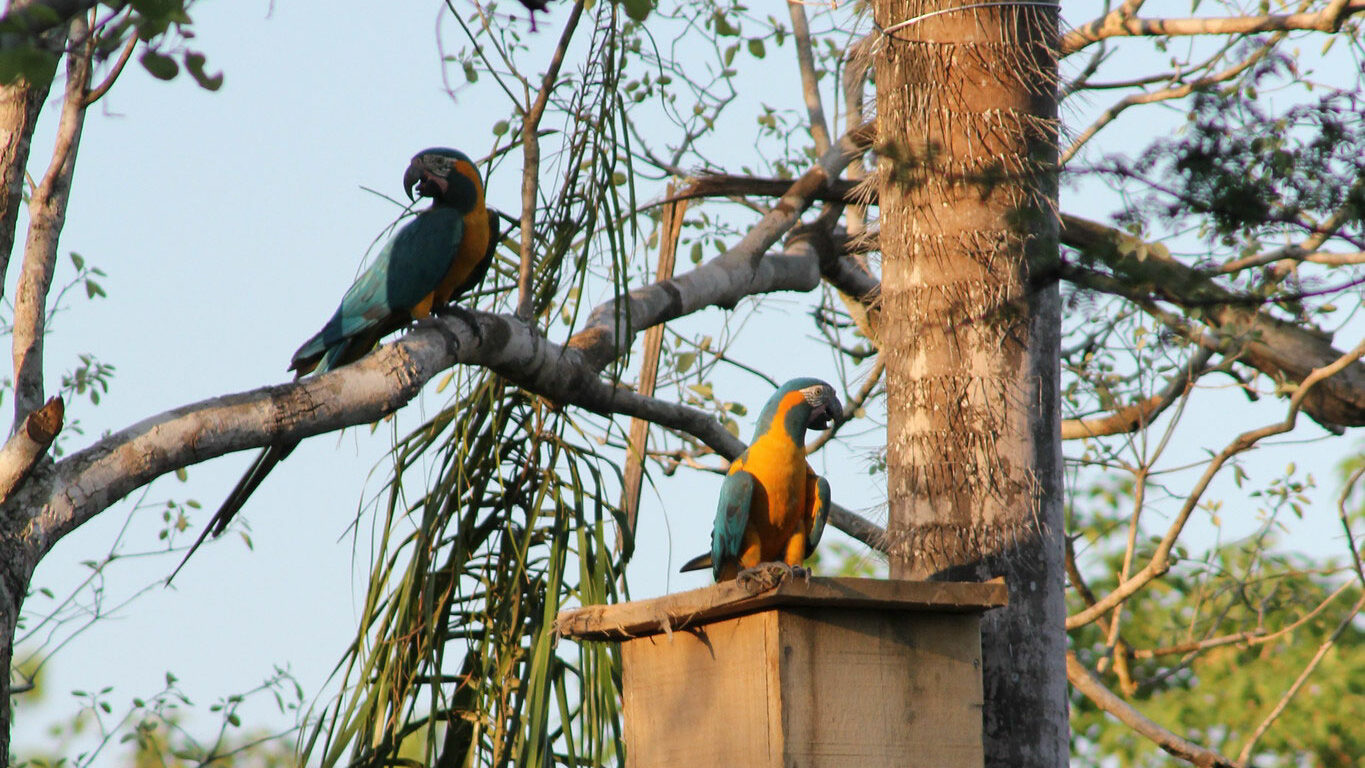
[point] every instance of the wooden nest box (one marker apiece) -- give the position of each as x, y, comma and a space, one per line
825, 673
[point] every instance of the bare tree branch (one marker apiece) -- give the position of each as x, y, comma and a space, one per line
1085, 681
1328, 19
1165, 94
47, 216
70, 492
1287, 352
670, 230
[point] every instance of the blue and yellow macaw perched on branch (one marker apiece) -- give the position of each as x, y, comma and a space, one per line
432, 260
773, 506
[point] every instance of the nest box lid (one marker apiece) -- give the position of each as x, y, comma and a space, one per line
639, 618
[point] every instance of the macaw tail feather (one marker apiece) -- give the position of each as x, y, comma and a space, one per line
255, 474
697, 563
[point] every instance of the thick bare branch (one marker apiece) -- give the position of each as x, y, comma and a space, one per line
725, 280
20, 103
1085, 681
87, 482
1328, 19
47, 216
1287, 352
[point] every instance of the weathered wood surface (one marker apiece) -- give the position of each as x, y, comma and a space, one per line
815, 687
700, 606
704, 697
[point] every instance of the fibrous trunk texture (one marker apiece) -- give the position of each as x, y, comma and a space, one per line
970, 330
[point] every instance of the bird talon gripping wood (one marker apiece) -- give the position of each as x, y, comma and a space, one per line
430, 261
772, 506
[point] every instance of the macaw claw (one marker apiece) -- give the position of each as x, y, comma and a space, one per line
767, 576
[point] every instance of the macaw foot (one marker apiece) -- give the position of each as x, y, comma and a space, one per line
801, 572
452, 341
764, 576
454, 310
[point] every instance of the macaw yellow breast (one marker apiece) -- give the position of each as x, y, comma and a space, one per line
779, 508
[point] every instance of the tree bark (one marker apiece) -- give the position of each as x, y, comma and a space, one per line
966, 103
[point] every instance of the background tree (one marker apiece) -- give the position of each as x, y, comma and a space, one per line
1232, 240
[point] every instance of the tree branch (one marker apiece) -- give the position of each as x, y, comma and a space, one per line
810, 87
1297, 685
1085, 681
83, 484
1159, 563
47, 216
1329, 19
530, 172
1284, 351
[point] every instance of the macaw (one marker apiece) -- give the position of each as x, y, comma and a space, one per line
773, 506
432, 260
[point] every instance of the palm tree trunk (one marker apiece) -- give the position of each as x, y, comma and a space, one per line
970, 332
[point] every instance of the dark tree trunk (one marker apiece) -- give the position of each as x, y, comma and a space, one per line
970, 331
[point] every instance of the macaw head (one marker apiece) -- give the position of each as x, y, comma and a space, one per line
446, 175
801, 404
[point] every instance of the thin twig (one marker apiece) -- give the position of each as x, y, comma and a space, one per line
810, 87
530, 172
1288, 696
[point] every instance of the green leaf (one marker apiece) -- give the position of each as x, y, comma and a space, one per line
638, 10
684, 361
77, 260
723, 26
159, 66
756, 48
500, 128
696, 253
181, 474
194, 62
27, 63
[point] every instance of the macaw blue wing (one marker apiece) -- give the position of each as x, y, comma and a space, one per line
732, 517
405, 272
819, 514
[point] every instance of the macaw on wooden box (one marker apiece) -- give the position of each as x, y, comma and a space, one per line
773, 506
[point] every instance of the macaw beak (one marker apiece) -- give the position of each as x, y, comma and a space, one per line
827, 411
412, 177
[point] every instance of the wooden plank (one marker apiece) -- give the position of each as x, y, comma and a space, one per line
671, 613
701, 697
878, 689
